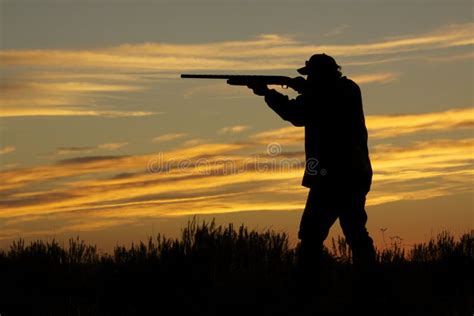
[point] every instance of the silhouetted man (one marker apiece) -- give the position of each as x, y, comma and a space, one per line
337, 170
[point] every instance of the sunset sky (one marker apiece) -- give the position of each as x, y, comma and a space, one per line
100, 138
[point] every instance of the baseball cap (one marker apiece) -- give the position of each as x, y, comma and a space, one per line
319, 62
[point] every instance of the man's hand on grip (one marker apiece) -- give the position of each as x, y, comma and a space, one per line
260, 89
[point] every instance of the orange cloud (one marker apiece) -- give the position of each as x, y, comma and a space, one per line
214, 178
376, 77
382, 126
98, 164
236, 129
112, 146
194, 142
7, 149
387, 126
67, 80
58, 99
444, 167
45, 111
89, 149
168, 137
277, 52
211, 178
78, 87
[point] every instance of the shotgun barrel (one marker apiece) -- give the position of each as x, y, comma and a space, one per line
244, 80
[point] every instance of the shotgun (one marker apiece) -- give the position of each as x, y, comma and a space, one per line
250, 80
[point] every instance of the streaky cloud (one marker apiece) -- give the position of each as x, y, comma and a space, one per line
387, 126
168, 137
7, 149
277, 52
89, 159
235, 129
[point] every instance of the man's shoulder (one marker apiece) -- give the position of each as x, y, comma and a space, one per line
349, 84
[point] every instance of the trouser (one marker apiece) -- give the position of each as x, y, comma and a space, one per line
323, 208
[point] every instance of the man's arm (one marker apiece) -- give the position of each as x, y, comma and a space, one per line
292, 111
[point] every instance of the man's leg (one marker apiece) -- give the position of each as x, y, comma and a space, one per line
366, 280
353, 219
317, 219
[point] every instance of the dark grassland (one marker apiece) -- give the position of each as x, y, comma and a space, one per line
215, 270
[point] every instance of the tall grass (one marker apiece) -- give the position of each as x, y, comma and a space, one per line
211, 268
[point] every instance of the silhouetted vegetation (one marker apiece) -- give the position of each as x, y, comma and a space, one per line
216, 270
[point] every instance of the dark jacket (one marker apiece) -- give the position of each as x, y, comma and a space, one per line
335, 133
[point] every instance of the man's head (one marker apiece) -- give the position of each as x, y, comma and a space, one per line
321, 66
